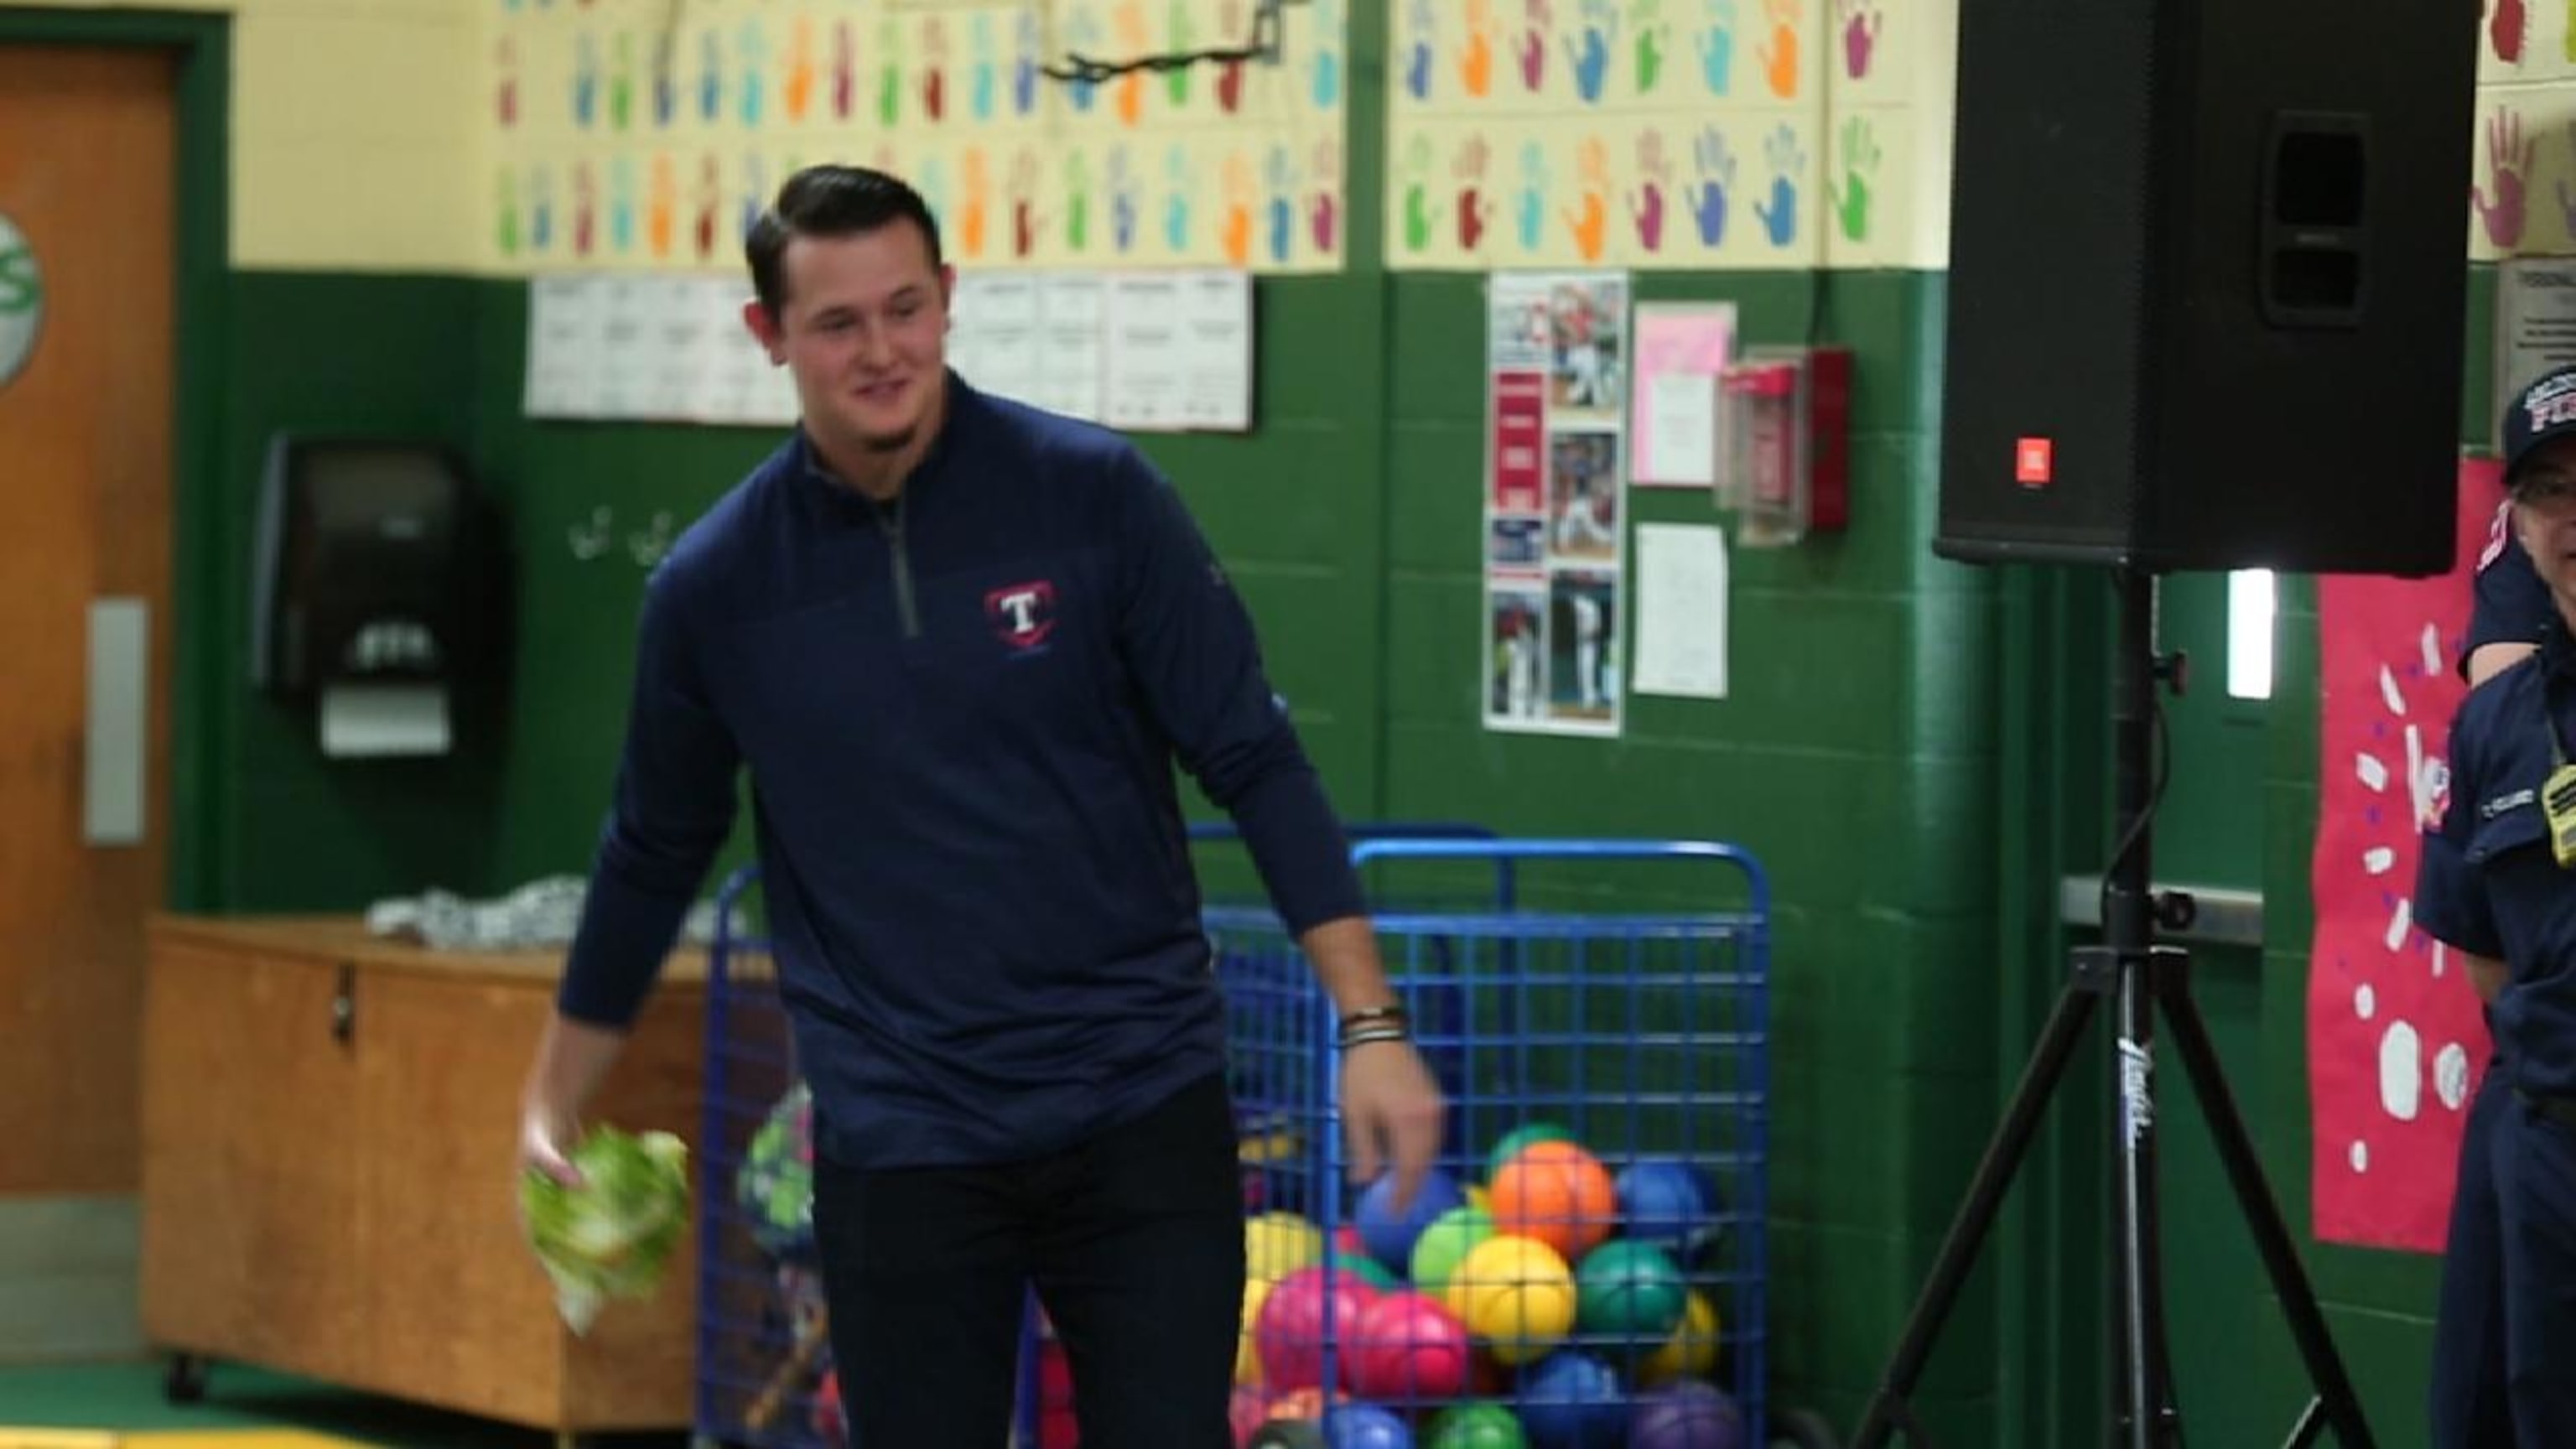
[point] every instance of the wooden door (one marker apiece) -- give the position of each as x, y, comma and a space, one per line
86, 140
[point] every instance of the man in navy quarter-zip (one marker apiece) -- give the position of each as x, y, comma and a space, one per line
958, 644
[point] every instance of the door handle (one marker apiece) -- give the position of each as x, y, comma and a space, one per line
114, 761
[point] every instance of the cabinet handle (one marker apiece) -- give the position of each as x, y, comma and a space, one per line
344, 1004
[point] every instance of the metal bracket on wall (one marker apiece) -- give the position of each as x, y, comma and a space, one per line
2221, 915
1264, 47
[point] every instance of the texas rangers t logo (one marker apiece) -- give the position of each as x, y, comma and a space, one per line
1022, 614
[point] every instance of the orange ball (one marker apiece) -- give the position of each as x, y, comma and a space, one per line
1559, 1194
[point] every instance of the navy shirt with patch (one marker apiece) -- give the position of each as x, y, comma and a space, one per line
2513, 605
2487, 882
960, 713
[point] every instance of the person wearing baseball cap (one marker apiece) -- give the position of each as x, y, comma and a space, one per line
2513, 605
2494, 884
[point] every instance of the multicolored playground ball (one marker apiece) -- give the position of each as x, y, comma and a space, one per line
775, 1184
1629, 1291
1365, 1270
1444, 1242
1525, 1135
1409, 1350
1691, 1352
1299, 1311
1389, 1234
1558, 1194
1247, 1360
1475, 1426
1515, 1295
1365, 1426
1667, 1202
1571, 1400
1276, 1244
1686, 1415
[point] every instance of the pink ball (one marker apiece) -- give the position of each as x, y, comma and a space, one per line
1288, 1333
1408, 1349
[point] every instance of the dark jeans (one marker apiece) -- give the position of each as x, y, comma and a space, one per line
1134, 1240
2470, 1409
2535, 1166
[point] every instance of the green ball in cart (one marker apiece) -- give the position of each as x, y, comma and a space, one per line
1475, 1426
1629, 1290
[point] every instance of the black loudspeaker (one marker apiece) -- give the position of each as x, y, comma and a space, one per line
2208, 268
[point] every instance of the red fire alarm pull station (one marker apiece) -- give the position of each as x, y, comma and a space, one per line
1788, 431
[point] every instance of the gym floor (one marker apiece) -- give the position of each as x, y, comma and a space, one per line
127, 1397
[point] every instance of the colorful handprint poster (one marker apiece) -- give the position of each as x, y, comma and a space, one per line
1555, 517
2522, 190
668, 122
1697, 134
2396, 1042
1232, 162
2525, 40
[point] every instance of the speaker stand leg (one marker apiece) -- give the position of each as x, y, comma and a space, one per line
1889, 1408
2336, 1400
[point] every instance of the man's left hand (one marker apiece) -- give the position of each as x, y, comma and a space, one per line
1393, 1111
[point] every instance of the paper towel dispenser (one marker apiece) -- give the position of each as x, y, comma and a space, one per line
378, 563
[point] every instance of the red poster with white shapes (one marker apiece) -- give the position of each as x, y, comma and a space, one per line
2396, 1044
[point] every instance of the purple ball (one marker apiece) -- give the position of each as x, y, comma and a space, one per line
1689, 1414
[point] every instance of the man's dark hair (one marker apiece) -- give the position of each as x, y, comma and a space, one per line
828, 201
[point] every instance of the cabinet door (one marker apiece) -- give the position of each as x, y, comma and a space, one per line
251, 1221
442, 1056
441, 1059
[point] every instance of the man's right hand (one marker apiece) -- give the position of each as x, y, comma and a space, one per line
546, 1139
571, 1059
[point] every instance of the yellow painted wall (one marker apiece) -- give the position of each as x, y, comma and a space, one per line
355, 141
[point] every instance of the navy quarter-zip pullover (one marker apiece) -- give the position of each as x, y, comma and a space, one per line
959, 712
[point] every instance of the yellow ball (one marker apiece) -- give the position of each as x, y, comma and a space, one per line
1247, 1363
1692, 1350
1277, 1244
1515, 1294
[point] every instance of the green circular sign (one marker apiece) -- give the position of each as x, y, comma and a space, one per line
22, 300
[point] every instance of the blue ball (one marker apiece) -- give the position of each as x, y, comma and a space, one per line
1389, 1235
1570, 1400
1667, 1202
1365, 1426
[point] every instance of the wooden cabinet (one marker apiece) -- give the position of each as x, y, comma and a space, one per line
328, 1124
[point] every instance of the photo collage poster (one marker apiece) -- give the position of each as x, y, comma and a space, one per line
1555, 515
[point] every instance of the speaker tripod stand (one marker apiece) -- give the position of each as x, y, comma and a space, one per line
2142, 979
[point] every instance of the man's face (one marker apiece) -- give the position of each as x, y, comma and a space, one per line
863, 326
2544, 514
